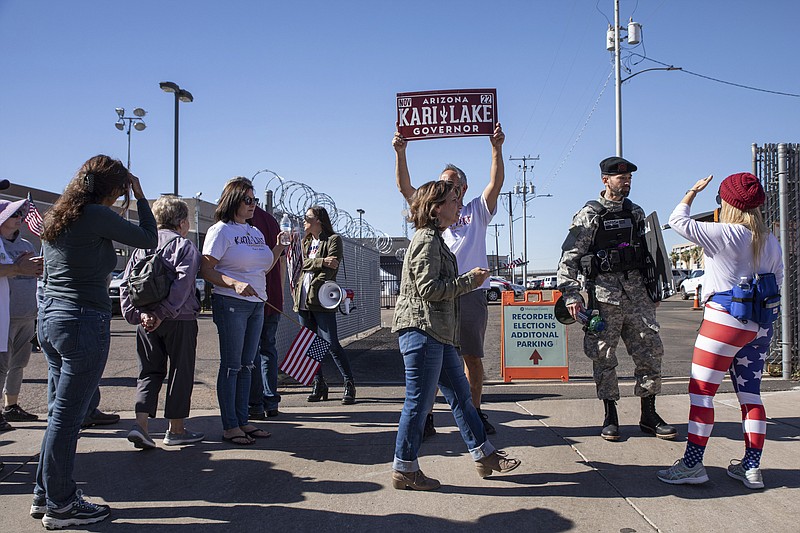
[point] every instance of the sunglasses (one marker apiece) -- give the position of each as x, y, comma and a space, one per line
309, 219
250, 200
18, 214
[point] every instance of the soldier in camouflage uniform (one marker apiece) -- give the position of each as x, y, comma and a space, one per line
606, 244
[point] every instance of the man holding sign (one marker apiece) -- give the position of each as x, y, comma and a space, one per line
467, 240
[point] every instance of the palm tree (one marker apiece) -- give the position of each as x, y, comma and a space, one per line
674, 256
685, 257
696, 252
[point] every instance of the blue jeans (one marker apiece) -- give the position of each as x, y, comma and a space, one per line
324, 325
239, 327
430, 363
75, 341
264, 387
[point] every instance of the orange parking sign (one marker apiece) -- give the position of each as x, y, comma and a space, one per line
533, 343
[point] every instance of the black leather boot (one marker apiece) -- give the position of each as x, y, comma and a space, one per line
611, 422
652, 423
349, 396
319, 390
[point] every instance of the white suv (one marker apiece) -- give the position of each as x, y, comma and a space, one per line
688, 286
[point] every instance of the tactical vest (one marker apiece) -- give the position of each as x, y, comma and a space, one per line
618, 244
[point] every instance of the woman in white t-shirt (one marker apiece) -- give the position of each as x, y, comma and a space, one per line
737, 247
236, 260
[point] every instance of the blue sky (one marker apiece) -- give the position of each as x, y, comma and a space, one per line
306, 89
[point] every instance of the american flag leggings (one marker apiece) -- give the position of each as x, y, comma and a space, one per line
726, 344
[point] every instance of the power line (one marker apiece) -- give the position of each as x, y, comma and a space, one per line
741, 86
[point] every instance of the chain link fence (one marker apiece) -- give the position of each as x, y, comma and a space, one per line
772, 163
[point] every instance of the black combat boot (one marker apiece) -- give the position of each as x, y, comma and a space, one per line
319, 390
652, 423
611, 422
349, 397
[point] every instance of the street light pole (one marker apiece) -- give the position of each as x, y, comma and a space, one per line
135, 121
618, 84
634, 31
181, 95
197, 216
360, 226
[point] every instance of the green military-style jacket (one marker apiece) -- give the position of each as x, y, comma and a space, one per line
329, 245
430, 288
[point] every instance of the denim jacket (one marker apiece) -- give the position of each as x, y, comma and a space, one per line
430, 287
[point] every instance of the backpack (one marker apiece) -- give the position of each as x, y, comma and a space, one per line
150, 279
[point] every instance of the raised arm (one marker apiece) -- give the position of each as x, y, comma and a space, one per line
401, 167
498, 172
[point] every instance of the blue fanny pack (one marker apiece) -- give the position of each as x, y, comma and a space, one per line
760, 301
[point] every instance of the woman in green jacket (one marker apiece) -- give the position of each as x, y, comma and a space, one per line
426, 318
322, 255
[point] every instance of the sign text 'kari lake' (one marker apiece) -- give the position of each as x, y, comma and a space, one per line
448, 113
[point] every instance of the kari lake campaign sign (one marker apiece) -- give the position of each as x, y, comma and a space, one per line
447, 113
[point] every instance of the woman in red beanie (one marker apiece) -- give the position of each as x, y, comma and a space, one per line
738, 247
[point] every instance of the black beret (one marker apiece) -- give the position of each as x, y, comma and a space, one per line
616, 165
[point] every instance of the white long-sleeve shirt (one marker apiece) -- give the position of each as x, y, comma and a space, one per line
727, 250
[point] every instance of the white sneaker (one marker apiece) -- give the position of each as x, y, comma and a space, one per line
680, 474
750, 477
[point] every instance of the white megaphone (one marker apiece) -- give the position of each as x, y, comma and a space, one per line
330, 295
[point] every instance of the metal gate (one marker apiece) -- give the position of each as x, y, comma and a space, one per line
391, 271
778, 168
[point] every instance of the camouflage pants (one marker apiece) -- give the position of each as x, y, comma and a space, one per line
634, 323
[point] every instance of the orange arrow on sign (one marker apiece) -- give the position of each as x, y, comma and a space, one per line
535, 357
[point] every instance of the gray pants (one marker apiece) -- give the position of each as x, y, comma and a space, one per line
634, 323
14, 361
174, 341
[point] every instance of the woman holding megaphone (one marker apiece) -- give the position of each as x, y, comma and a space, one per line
322, 255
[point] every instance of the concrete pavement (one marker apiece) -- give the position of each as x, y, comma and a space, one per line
327, 468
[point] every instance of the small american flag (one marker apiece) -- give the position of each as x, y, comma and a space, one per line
294, 261
33, 219
305, 356
515, 263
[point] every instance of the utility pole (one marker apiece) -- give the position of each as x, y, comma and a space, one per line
496, 245
524, 191
618, 85
510, 230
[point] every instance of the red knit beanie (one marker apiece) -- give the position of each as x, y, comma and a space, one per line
742, 190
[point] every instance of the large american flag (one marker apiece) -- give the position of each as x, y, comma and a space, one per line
305, 356
294, 261
33, 219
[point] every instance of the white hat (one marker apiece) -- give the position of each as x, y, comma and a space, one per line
8, 208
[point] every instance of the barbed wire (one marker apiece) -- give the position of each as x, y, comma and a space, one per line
294, 198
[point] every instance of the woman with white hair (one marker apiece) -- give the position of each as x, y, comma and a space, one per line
167, 330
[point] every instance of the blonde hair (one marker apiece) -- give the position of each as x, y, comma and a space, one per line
753, 220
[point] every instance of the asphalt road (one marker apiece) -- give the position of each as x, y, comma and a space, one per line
378, 366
